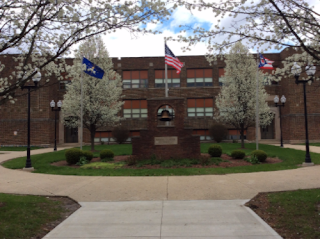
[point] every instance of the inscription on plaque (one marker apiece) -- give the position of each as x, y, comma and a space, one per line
166, 140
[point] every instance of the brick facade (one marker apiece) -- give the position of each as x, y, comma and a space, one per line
13, 117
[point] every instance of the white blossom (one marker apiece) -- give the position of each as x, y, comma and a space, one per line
264, 24
236, 102
42, 32
101, 97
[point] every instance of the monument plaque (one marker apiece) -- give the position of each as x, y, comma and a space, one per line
166, 140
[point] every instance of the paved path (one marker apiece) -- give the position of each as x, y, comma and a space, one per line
164, 219
162, 190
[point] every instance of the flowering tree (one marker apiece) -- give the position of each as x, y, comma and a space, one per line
42, 31
268, 24
101, 97
236, 102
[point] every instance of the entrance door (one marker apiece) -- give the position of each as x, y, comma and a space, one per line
71, 135
268, 131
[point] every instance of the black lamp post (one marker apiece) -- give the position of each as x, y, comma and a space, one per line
35, 80
52, 105
296, 71
276, 101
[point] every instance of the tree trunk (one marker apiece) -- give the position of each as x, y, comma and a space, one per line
92, 134
242, 135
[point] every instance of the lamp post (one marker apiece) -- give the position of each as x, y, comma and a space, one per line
276, 101
296, 71
35, 80
52, 105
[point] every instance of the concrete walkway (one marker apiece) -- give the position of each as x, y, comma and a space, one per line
162, 190
165, 220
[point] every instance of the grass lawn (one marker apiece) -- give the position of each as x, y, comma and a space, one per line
291, 158
293, 214
17, 148
27, 216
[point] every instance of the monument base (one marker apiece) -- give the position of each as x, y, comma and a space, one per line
307, 164
31, 169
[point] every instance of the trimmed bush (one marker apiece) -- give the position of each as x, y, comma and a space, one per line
238, 154
106, 155
218, 132
260, 155
88, 154
131, 160
83, 160
120, 134
73, 155
215, 150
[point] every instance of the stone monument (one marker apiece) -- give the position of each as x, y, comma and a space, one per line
166, 140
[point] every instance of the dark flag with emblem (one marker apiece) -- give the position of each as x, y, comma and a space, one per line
92, 69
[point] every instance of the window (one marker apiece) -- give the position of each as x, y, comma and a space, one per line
65, 80
235, 134
63, 83
199, 77
204, 134
135, 109
107, 136
133, 133
103, 137
135, 79
172, 75
200, 107
221, 74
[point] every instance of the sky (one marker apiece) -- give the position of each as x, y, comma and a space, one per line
123, 44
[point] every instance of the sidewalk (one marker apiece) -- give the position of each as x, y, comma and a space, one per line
163, 189
226, 219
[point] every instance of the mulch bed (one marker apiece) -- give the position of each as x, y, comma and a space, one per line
69, 206
260, 205
232, 163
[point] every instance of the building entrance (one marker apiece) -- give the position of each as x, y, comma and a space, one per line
71, 135
268, 131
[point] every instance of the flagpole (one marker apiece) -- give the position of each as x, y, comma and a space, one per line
81, 111
257, 102
166, 74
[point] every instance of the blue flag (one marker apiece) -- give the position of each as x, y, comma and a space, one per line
92, 69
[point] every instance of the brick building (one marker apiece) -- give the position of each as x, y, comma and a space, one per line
143, 78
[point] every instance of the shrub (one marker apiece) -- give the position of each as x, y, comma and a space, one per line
88, 154
131, 160
106, 159
238, 154
73, 155
218, 132
83, 160
106, 155
252, 159
215, 150
260, 154
204, 160
120, 134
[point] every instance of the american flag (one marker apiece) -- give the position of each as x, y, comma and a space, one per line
172, 60
265, 63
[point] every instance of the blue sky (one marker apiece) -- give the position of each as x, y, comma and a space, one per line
123, 44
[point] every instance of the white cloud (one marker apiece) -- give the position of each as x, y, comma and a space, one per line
123, 44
